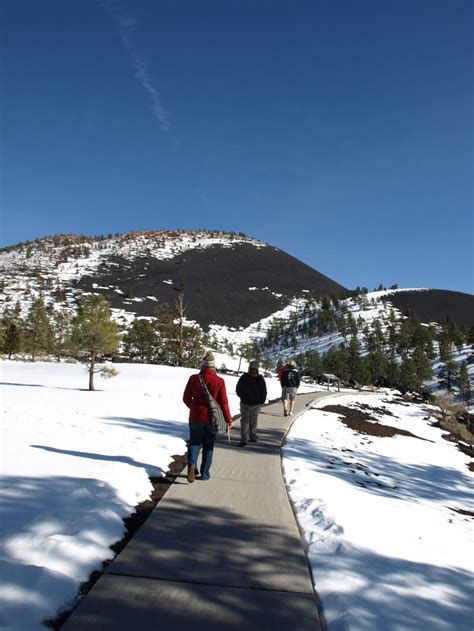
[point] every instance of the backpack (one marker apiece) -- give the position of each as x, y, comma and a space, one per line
289, 378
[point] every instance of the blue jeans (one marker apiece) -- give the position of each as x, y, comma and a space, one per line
200, 435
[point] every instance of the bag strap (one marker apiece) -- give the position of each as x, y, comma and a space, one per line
205, 388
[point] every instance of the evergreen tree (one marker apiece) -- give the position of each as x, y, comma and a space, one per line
140, 341
377, 363
94, 332
334, 362
61, 329
191, 348
422, 366
164, 325
313, 365
12, 339
464, 384
393, 371
408, 376
37, 329
449, 367
354, 361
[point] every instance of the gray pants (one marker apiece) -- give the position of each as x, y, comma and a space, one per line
248, 421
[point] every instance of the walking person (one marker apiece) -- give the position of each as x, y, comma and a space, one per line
290, 382
201, 433
252, 392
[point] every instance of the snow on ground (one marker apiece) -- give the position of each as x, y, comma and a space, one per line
74, 464
387, 548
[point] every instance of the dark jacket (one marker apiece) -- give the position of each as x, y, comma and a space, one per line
196, 401
290, 378
252, 389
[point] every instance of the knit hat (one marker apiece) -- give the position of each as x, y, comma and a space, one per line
208, 361
253, 365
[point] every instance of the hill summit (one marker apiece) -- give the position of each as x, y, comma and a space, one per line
228, 279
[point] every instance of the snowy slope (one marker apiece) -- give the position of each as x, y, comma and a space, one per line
31, 269
366, 309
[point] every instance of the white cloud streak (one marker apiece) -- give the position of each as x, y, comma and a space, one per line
125, 27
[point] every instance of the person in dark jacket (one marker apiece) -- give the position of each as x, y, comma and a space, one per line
252, 392
200, 426
290, 382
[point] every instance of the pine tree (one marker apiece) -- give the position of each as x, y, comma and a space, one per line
408, 376
163, 325
61, 329
448, 370
464, 384
140, 341
94, 331
38, 335
313, 365
354, 362
12, 339
393, 371
422, 365
377, 364
191, 349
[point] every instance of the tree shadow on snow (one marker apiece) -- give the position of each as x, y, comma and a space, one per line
393, 594
149, 468
382, 475
42, 521
42, 385
171, 428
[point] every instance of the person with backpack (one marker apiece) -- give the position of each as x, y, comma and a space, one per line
252, 392
201, 431
290, 382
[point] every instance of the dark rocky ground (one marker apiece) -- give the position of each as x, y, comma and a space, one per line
215, 282
435, 305
363, 422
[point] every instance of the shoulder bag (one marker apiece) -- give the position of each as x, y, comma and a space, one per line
219, 425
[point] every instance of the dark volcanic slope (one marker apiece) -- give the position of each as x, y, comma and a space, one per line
216, 283
435, 305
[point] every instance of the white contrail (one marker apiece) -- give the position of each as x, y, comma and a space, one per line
125, 28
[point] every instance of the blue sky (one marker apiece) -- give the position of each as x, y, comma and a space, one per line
340, 132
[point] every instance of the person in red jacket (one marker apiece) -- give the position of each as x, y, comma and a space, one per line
200, 427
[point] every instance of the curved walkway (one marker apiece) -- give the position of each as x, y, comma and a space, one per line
221, 554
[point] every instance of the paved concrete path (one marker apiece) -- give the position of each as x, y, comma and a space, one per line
220, 554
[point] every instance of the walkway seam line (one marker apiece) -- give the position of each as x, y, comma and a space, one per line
187, 582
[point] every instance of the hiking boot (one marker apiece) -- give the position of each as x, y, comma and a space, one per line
191, 473
253, 440
241, 444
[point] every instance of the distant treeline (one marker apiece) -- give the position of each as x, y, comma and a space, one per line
89, 333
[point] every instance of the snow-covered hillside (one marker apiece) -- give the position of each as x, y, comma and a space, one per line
227, 278
366, 310
56, 263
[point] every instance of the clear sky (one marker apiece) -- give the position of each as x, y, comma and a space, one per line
339, 131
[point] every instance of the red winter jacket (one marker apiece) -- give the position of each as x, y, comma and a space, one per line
195, 398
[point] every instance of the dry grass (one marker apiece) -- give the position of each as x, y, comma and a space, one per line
454, 418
